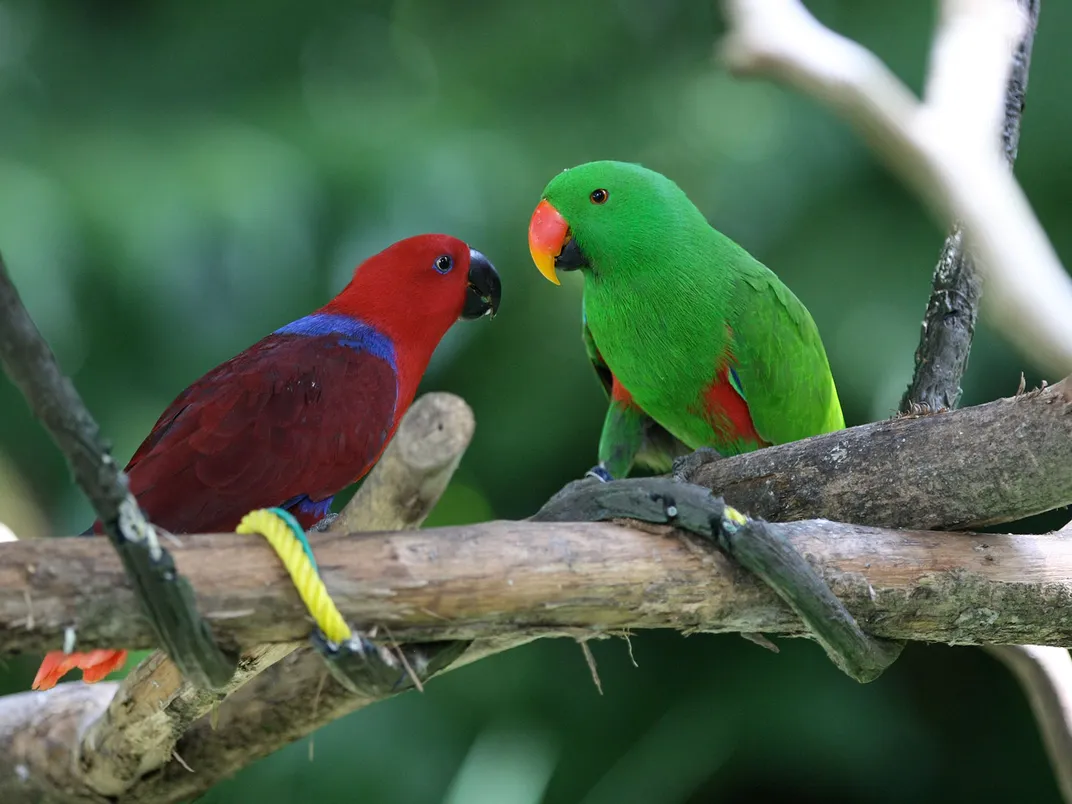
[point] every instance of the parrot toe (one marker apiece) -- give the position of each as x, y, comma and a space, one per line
599, 473
686, 465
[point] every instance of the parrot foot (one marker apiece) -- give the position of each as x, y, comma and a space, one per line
599, 473
762, 548
685, 466
368, 669
325, 523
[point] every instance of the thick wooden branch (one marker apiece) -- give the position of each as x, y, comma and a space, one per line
953, 307
503, 577
969, 468
585, 578
413, 473
164, 596
518, 581
1045, 673
900, 473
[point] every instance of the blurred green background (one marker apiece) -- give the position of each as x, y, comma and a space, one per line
177, 180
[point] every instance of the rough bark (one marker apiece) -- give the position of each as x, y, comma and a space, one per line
1045, 673
949, 321
969, 468
900, 473
164, 596
499, 577
409, 479
591, 579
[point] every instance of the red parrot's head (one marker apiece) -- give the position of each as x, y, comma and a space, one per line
420, 286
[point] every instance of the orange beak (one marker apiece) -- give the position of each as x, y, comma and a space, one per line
548, 233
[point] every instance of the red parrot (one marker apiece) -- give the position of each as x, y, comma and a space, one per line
304, 412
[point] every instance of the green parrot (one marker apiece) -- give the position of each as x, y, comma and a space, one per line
696, 342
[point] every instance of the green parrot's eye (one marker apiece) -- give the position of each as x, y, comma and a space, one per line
599, 196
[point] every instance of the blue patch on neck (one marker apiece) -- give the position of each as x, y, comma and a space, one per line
355, 334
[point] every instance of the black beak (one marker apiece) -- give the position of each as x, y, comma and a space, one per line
571, 258
485, 288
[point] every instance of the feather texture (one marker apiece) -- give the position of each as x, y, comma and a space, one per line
293, 418
302, 413
684, 325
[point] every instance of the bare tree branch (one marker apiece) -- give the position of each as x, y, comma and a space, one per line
904, 472
979, 466
944, 148
949, 322
1044, 672
581, 578
899, 473
413, 473
501, 577
513, 582
164, 596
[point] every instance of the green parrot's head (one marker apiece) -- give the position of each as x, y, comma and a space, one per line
607, 216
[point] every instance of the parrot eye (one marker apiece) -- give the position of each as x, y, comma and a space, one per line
599, 196
443, 264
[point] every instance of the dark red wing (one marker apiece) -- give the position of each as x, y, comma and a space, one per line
292, 415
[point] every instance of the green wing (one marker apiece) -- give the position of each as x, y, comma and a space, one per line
658, 447
782, 365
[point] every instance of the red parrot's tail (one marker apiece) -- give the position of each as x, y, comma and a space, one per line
95, 665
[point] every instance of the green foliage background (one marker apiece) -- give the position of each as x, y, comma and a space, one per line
177, 180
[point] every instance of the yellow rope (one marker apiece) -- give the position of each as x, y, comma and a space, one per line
733, 515
292, 549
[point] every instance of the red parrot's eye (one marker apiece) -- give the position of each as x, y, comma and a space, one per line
443, 264
599, 196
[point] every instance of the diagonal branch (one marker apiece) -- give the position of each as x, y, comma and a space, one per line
943, 148
970, 468
163, 595
951, 161
1044, 672
949, 321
